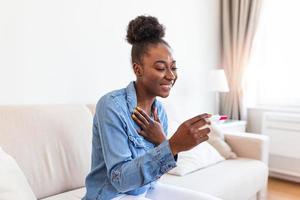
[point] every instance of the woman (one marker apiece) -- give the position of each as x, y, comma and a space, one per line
130, 151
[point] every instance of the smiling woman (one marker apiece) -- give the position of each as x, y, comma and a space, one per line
151, 58
130, 151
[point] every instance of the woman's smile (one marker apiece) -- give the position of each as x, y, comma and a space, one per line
166, 87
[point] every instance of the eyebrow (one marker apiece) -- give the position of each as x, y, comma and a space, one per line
164, 62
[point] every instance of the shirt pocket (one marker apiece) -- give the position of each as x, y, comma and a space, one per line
137, 146
137, 142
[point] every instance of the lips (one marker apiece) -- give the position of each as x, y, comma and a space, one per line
166, 86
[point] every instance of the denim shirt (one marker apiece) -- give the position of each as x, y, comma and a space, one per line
123, 162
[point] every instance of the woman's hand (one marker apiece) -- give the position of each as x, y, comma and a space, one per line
190, 133
151, 129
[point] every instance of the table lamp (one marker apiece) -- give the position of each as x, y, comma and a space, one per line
218, 83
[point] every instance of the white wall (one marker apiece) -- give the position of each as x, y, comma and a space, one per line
74, 51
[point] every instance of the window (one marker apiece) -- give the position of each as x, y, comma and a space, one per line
273, 75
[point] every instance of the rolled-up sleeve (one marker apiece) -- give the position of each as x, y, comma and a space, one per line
127, 173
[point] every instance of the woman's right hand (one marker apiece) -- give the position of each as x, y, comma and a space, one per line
189, 134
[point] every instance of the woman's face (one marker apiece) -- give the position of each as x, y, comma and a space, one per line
157, 73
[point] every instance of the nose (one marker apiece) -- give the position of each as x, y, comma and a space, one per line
170, 75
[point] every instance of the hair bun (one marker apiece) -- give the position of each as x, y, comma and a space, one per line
143, 29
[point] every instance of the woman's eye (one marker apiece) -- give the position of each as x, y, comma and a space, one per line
174, 69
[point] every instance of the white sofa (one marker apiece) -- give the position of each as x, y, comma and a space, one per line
52, 143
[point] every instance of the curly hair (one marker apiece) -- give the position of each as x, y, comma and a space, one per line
142, 32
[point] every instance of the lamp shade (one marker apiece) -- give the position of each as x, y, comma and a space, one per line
218, 81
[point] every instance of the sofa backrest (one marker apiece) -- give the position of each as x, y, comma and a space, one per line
51, 144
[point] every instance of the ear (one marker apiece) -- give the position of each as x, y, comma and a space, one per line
138, 70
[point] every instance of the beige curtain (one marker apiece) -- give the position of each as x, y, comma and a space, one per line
238, 24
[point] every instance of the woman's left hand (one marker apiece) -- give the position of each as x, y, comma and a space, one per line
151, 129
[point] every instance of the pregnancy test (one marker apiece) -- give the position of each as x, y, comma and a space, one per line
216, 118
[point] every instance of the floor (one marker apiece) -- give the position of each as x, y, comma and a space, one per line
283, 190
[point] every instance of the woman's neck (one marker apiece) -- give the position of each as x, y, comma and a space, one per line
144, 100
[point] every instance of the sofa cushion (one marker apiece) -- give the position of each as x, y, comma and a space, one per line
246, 175
203, 155
92, 108
13, 183
71, 195
216, 139
51, 144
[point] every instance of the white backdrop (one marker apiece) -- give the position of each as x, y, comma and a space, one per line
74, 51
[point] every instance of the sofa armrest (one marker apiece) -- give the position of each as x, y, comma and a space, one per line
249, 145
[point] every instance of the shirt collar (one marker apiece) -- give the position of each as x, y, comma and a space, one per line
132, 98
